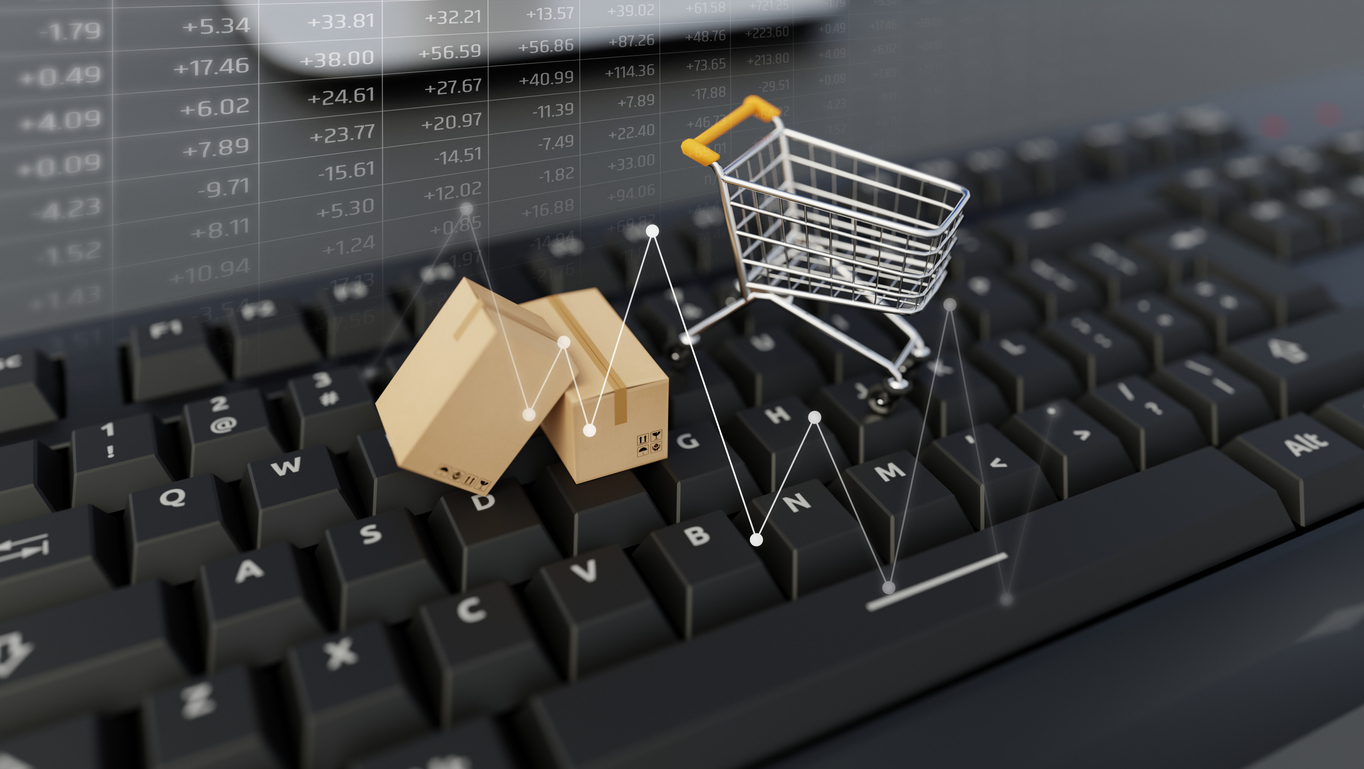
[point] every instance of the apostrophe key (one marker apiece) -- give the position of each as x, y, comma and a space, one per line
594, 610
474, 744
767, 439
1230, 312
704, 573
1027, 371
254, 606
32, 481
862, 432
1152, 425
172, 529
489, 537
809, 541
57, 558
1166, 330
269, 336
348, 695
953, 395
207, 722
478, 653
382, 485
30, 390
169, 357
356, 318
897, 524
1224, 402
1075, 451
101, 653
329, 408
223, 433
1097, 349
295, 497
991, 477
614, 510
377, 568
112, 460
1316, 471
697, 477
769, 365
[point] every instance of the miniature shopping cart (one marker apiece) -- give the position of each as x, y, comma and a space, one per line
810, 219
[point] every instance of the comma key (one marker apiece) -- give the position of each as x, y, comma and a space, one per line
30, 390
992, 478
1316, 471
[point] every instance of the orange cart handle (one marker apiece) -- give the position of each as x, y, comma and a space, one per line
753, 106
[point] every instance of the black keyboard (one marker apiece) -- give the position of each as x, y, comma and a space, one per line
209, 558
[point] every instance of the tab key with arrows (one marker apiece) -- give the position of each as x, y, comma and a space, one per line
1303, 365
59, 557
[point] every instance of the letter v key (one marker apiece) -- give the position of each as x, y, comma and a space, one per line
589, 574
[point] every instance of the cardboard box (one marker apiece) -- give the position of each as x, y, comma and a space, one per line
631, 422
454, 411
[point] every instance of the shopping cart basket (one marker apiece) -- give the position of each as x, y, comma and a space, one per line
810, 219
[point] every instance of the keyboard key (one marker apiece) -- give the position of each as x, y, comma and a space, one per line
809, 541
628, 250
1097, 349
1172, 248
1054, 169
1317, 472
1285, 231
953, 395
169, 357
1164, 143
1112, 153
1096, 215
427, 291
329, 408
1152, 426
769, 365
491, 537
348, 696
1230, 312
254, 606
1339, 220
295, 497
532, 459
30, 390
358, 318
1165, 330
704, 574
381, 485
112, 460
1118, 271
100, 653
1202, 191
479, 653
593, 611
687, 396
1304, 166
975, 256
566, 264
767, 438
59, 557
1058, 288
269, 336
1224, 402
659, 314
1301, 366
880, 490
997, 178
475, 744
31, 481
1345, 415
212, 722
83, 742
1027, 372
1256, 175
223, 433
1347, 149
1075, 451
377, 568
613, 510
1288, 294
838, 361
172, 529
1136, 536
861, 432
992, 306
707, 234
1212, 129
697, 477
991, 477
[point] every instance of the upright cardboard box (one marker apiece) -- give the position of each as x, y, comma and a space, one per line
628, 428
456, 410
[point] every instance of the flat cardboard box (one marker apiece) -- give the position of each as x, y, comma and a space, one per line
454, 411
630, 424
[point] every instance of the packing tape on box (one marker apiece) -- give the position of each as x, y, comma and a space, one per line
603, 364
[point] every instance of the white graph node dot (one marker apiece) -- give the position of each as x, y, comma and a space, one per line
564, 342
756, 540
466, 208
589, 430
888, 587
528, 415
1006, 599
651, 230
949, 304
815, 416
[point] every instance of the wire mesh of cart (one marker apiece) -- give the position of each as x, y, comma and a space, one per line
809, 219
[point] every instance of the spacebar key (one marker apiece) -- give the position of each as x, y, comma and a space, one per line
768, 683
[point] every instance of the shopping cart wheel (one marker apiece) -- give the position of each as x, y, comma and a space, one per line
678, 356
884, 397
